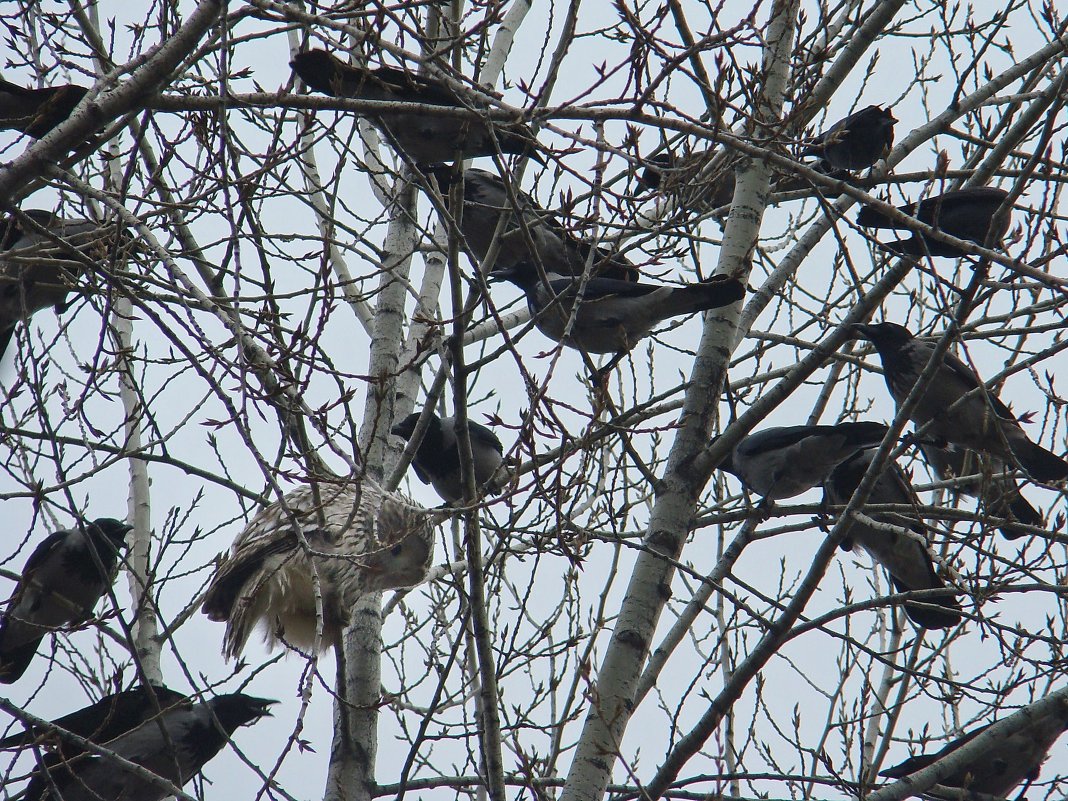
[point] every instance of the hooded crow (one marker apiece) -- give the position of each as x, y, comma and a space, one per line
782, 462
437, 460
174, 746
1000, 768
611, 316
61, 583
856, 142
426, 137
969, 214
35, 112
906, 559
978, 422
35, 273
530, 235
360, 540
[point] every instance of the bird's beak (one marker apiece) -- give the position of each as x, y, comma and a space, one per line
860, 330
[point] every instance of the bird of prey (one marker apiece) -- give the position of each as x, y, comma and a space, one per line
969, 214
437, 460
360, 540
174, 746
62, 581
999, 494
426, 137
35, 112
956, 406
35, 272
611, 316
1000, 768
906, 559
529, 235
105, 720
782, 462
856, 142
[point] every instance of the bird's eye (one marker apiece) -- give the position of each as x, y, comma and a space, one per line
397, 549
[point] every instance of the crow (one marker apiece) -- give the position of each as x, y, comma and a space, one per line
612, 316
978, 422
174, 746
1001, 767
361, 540
437, 460
530, 235
782, 462
906, 559
425, 137
35, 273
969, 214
60, 585
856, 142
105, 720
35, 112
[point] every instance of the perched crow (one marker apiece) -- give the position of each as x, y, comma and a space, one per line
35, 272
361, 540
426, 137
35, 112
999, 494
437, 460
613, 315
529, 235
905, 559
62, 581
966, 214
782, 462
1001, 767
680, 176
175, 746
980, 422
105, 720
856, 142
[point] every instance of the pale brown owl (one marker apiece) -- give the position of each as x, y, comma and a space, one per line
359, 540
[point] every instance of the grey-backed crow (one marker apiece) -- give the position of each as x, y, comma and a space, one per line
60, 585
979, 421
437, 460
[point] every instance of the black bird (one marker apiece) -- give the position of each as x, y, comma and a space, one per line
175, 746
35, 272
980, 422
683, 177
105, 720
62, 581
1000, 495
529, 235
362, 540
906, 559
856, 142
1000, 768
35, 112
426, 138
966, 214
613, 315
782, 462
437, 460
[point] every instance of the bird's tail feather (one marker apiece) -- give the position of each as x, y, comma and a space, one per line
1040, 464
936, 613
712, 294
14, 661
